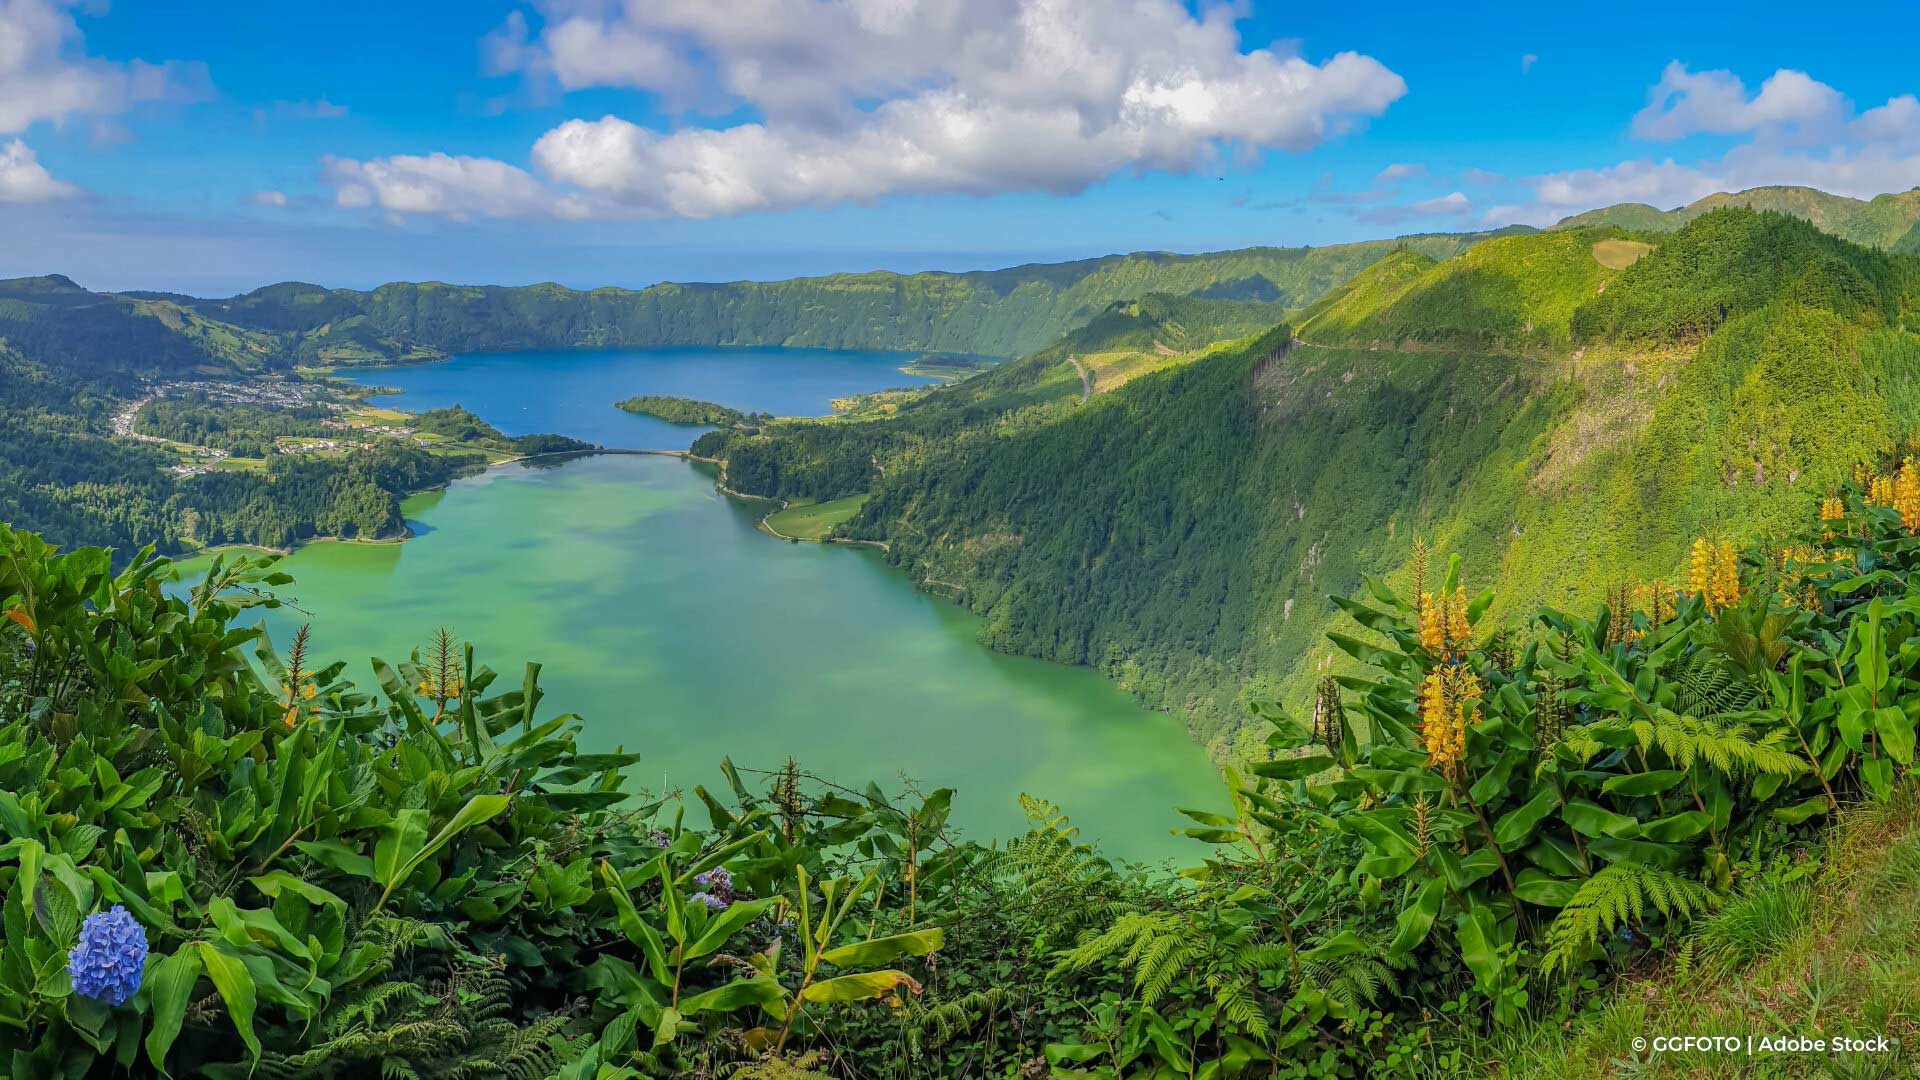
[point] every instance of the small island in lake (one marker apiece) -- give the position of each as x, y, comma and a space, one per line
681, 410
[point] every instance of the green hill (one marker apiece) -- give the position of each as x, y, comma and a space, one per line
1512, 294
81, 334
1182, 533
1889, 221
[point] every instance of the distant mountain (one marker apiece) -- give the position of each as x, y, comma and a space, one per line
1890, 222
1007, 312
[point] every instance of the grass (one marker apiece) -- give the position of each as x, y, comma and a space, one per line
1835, 954
811, 520
368, 415
1619, 254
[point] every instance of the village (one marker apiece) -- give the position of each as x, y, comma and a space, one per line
357, 422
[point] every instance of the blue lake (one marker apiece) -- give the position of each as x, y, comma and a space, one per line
572, 391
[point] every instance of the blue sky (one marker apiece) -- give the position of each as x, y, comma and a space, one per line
213, 147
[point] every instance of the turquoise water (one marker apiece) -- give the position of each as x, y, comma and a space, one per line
571, 392
675, 628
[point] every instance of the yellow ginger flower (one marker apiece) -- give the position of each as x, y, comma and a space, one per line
1906, 495
1880, 491
1431, 621
1832, 510
1713, 573
1459, 631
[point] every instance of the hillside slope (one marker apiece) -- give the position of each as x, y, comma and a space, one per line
1182, 533
1890, 221
77, 333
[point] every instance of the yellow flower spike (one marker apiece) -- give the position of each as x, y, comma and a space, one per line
1906, 495
1459, 631
1432, 625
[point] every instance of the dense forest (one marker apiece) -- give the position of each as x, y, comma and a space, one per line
1565, 422
682, 410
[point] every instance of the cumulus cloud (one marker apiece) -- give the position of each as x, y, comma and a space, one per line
860, 100
44, 74
275, 199
1455, 204
1399, 171
458, 187
24, 180
1687, 103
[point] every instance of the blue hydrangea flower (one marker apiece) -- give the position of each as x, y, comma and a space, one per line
710, 900
112, 953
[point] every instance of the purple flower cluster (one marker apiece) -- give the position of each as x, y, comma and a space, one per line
659, 838
107, 963
716, 888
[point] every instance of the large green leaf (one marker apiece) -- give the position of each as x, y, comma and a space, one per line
637, 929
722, 926
1537, 887
739, 994
169, 988
1589, 819
1293, 768
861, 987
1634, 785
884, 950
1895, 728
1517, 824
1416, 919
235, 984
478, 809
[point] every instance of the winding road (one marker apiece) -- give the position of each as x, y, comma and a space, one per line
1086, 380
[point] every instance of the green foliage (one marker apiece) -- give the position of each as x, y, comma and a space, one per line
682, 410
1007, 312
1887, 221
1729, 263
1510, 294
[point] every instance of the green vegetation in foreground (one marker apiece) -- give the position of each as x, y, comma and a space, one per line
682, 410
1823, 949
226, 866
801, 520
1181, 532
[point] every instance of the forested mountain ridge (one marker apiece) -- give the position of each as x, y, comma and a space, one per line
105, 338
1007, 312
1890, 221
1183, 531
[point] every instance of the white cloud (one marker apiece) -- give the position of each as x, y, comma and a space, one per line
1527, 62
1399, 171
44, 74
1687, 103
863, 99
458, 187
1799, 132
1455, 203
1481, 177
23, 179
275, 199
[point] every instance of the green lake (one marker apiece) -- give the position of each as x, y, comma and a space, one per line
676, 629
